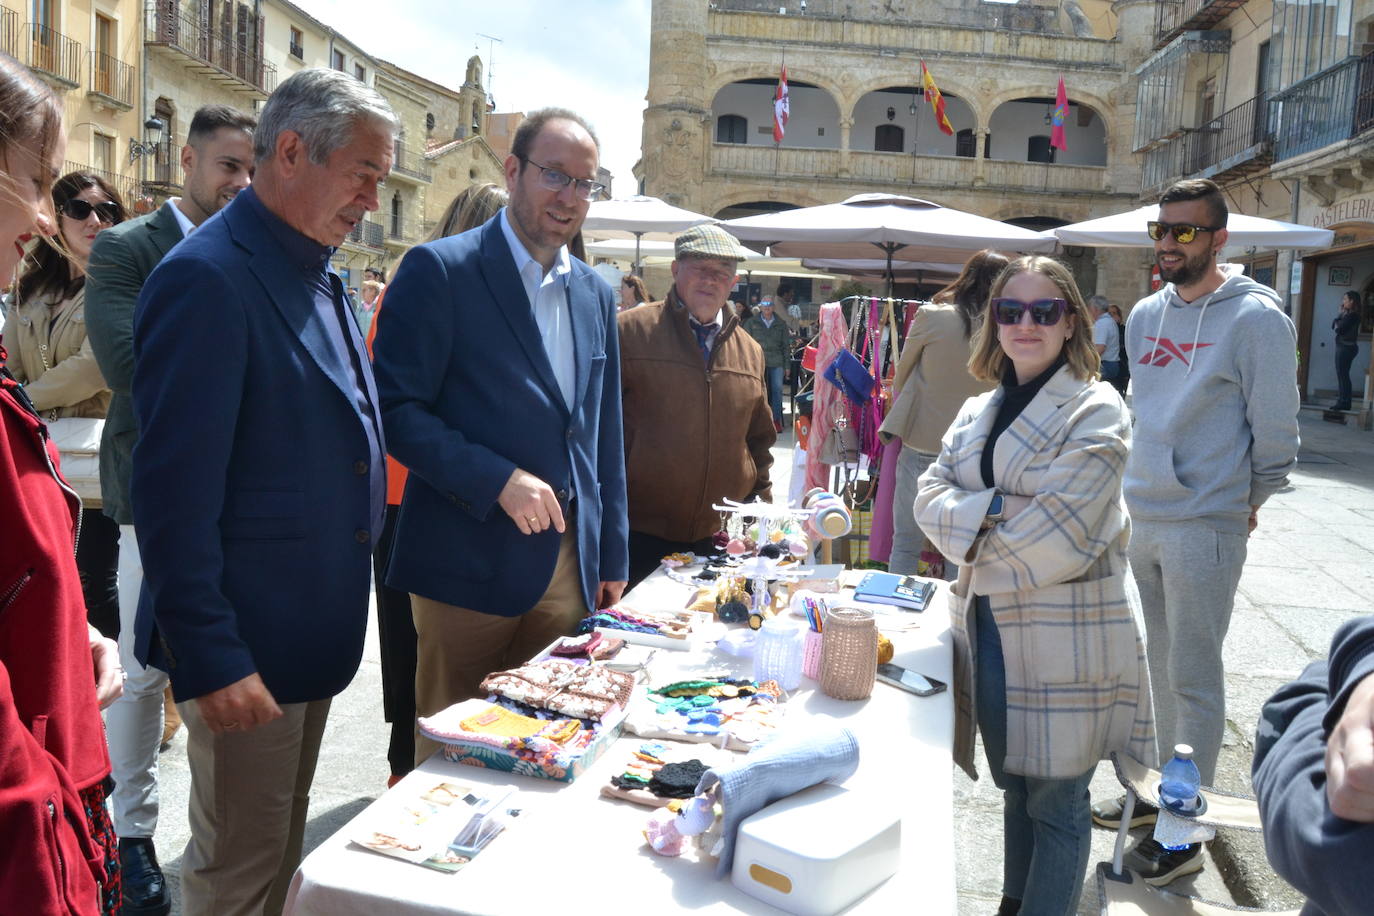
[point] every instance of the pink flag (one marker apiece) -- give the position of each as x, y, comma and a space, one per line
1061, 114
780, 107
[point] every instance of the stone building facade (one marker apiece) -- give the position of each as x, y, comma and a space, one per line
859, 121
90, 54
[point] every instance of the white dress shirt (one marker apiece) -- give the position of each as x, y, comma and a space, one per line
547, 294
184, 221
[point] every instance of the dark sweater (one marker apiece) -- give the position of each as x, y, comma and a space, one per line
1014, 400
1307, 844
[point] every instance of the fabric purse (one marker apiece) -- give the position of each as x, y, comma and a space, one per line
78, 440
847, 373
841, 445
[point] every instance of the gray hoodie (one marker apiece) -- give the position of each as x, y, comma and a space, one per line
1215, 402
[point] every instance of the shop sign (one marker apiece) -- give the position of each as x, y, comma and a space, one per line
1351, 210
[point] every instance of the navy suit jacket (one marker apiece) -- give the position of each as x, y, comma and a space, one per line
468, 395
251, 489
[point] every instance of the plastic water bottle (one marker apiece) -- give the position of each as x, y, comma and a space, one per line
1179, 784
778, 653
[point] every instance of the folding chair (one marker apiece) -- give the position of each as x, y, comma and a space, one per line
1123, 893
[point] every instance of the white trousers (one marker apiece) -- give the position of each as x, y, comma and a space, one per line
133, 725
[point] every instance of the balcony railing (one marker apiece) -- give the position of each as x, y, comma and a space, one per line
401, 232
112, 79
411, 165
896, 169
367, 233
53, 54
1324, 109
163, 167
1240, 139
1173, 17
210, 49
9, 33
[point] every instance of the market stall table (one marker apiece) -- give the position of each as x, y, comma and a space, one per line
572, 851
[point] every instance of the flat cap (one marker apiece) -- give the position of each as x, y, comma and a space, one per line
708, 241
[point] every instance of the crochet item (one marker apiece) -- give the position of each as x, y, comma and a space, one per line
576, 646
559, 685
796, 760
503, 722
677, 780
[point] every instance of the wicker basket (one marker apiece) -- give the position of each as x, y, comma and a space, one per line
849, 655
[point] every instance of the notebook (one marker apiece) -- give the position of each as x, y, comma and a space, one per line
906, 592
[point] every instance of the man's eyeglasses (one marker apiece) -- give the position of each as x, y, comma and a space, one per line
554, 180
1045, 312
107, 211
1183, 233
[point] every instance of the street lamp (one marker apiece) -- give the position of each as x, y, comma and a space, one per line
913, 107
147, 147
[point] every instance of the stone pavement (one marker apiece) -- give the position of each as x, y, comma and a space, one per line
1310, 567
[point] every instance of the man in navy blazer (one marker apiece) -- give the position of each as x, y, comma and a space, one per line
258, 483
498, 367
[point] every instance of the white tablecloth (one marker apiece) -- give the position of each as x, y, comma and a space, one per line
574, 852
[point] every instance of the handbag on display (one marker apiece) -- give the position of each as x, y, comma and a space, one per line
841, 445
78, 441
848, 373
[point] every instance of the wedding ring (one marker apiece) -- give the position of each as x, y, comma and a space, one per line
531, 519
230, 726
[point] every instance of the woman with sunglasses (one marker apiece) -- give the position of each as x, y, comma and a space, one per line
1025, 497
55, 669
45, 333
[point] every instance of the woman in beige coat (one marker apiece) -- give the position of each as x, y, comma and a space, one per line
931, 383
45, 334
1049, 661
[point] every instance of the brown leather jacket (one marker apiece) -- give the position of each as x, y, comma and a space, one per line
50, 355
695, 432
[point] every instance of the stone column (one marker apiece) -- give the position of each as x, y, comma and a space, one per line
678, 115
846, 125
980, 164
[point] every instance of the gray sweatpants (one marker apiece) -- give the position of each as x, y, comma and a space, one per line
1187, 572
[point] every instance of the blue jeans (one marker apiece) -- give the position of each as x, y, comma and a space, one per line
1345, 357
1111, 368
773, 378
1046, 823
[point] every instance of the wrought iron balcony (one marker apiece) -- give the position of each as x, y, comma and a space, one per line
126, 185
367, 233
163, 169
1174, 17
52, 54
112, 81
1332, 106
209, 49
412, 166
9, 33
1236, 144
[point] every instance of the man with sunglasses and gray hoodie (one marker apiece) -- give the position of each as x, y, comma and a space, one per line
1216, 434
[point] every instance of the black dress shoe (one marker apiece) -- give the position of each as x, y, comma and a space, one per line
145, 890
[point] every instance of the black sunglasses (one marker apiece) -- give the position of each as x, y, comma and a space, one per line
1182, 232
1045, 312
107, 211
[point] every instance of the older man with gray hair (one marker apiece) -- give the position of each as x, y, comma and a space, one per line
1107, 339
259, 482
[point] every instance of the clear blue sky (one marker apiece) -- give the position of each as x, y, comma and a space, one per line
592, 57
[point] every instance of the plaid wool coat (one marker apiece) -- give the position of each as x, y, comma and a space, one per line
1055, 575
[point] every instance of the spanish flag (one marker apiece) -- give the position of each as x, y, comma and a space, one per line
937, 101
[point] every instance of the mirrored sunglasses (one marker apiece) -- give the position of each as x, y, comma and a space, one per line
1042, 311
1182, 232
107, 211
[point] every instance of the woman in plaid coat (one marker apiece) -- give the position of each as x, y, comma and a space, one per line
1025, 498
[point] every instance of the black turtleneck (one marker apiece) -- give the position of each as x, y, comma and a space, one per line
1014, 400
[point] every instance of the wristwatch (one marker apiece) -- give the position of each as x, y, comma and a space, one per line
994, 513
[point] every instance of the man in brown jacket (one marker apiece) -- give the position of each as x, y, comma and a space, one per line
697, 422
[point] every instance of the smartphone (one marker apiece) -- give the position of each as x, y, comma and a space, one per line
910, 681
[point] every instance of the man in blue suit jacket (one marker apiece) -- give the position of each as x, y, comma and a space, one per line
258, 483
498, 366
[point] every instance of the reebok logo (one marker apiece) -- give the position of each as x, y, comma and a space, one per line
1166, 351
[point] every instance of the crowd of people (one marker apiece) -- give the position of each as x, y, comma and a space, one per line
503, 444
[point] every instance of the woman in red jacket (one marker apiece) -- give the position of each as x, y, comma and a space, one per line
55, 670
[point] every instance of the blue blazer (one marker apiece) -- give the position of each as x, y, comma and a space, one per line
251, 486
468, 395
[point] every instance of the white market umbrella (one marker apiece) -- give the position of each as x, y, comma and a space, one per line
866, 225
639, 217
1127, 230
877, 267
